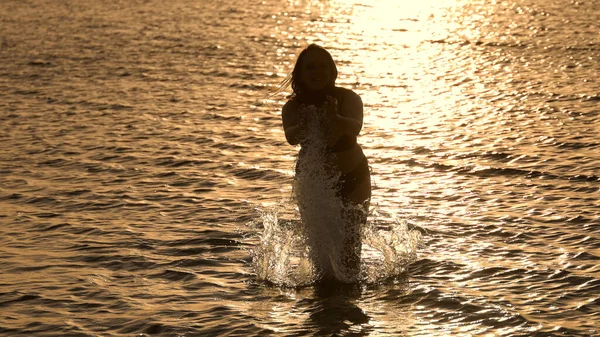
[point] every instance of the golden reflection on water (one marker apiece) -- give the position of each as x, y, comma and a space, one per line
386, 51
383, 48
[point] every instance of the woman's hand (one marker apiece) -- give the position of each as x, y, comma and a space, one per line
332, 117
333, 135
331, 109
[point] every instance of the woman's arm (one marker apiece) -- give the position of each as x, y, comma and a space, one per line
291, 127
348, 120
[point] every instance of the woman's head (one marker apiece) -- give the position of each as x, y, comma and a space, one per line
315, 70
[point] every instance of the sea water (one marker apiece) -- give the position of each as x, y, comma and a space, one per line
136, 144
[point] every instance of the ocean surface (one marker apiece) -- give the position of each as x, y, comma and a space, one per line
144, 172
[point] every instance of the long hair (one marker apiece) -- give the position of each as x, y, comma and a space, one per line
293, 79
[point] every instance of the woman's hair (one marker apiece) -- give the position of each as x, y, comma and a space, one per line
294, 78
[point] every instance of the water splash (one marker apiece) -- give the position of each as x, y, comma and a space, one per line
389, 247
281, 254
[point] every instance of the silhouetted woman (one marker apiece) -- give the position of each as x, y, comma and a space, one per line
327, 119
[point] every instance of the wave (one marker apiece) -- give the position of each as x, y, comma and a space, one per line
500, 171
590, 46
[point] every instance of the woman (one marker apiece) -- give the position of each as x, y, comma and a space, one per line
326, 120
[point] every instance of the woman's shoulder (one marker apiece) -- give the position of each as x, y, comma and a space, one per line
289, 111
346, 93
290, 106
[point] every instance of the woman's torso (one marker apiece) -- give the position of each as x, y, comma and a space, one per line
346, 154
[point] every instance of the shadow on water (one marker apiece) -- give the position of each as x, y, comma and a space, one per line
336, 309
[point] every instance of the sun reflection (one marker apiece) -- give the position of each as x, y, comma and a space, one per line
398, 73
383, 19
